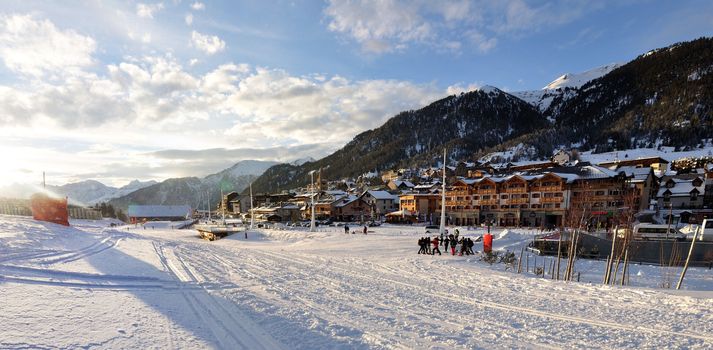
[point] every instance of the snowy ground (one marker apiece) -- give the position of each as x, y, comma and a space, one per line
90, 286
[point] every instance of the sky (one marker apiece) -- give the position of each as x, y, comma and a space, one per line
123, 90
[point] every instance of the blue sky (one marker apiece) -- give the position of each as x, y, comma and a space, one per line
94, 89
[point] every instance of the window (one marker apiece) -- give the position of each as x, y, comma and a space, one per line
694, 195
504, 196
599, 193
666, 197
535, 195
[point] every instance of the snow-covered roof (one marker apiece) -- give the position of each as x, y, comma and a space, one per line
159, 211
638, 174
427, 185
345, 201
681, 188
398, 183
382, 195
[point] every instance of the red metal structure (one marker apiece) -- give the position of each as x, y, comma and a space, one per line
45, 208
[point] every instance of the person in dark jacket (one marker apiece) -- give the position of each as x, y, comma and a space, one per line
470, 246
445, 244
435, 246
453, 244
464, 246
365, 229
422, 247
346, 228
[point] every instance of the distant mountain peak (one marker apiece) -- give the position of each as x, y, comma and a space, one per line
576, 80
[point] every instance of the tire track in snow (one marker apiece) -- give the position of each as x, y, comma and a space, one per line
327, 304
524, 310
311, 305
222, 323
308, 267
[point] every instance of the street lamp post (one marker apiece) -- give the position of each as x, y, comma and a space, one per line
312, 223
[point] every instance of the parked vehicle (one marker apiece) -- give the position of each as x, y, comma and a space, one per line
706, 232
657, 232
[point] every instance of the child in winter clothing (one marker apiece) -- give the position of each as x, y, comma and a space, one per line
435, 246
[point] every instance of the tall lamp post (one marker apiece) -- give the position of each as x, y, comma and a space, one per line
312, 223
442, 228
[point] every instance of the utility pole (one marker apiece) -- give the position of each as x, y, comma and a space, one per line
252, 213
312, 223
442, 228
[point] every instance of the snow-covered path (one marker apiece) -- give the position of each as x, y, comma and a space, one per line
88, 286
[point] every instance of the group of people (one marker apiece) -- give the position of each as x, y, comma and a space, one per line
428, 245
363, 230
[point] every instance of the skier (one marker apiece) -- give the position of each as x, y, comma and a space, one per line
435, 246
346, 229
445, 244
454, 241
365, 229
470, 246
463, 246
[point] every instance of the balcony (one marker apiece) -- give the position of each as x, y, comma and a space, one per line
488, 201
519, 201
551, 200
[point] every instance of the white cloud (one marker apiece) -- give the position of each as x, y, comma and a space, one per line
148, 10
381, 26
189, 18
456, 89
198, 6
209, 44
37, 47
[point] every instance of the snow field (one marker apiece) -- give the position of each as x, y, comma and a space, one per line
91, 286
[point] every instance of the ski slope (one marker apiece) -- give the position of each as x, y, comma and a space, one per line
89, 286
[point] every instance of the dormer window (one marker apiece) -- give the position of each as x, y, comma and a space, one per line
694, 195
667, 196
670, 184
697, 182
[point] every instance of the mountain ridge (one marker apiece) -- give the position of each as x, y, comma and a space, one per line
615, 110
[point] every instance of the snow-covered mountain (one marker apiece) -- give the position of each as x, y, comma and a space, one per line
577, 80
300, 161
195, 191
565, 86
87, 192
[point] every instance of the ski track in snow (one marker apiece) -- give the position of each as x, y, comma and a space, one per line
305, 291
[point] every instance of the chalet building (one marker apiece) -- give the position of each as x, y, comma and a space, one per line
381, 202
141, 213
286, 212
400, 185
428, 187
421, 206
481, 171
263, 199
644, 182
350, 208
658, 164
231, 203
536, 199
681, 193
561, 157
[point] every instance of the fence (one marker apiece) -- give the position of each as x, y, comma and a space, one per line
21, 207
